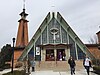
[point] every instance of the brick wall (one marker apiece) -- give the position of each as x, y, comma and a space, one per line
95, 51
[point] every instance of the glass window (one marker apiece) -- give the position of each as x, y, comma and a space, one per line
61, 55
44, 36
72, 48
80, 53
64, 35
50, 55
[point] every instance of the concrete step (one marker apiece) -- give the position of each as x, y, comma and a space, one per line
57, 65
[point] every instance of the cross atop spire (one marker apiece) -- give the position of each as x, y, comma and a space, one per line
23, 14
52, 6
99, 27
23, 4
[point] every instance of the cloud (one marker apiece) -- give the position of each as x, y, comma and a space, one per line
82, 15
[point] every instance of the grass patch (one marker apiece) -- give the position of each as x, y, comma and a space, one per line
16, 72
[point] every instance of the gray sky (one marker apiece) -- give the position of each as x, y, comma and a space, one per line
82, 15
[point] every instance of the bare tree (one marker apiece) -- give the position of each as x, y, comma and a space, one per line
93, 40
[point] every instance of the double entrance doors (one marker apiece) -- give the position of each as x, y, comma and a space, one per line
55, 54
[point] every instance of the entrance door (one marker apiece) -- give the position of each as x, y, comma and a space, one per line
50, 55
61, 55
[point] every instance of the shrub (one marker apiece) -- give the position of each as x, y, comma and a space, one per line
96, 62
16, 72
96, 69
6, 66
19, 64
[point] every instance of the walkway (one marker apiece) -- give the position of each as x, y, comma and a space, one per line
81, 72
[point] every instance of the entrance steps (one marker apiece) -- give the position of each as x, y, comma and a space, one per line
57, 65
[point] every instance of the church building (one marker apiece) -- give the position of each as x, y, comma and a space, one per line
55, 40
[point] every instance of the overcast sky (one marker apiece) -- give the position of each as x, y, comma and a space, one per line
82, 15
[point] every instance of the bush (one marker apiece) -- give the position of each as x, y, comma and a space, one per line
96, 69
16, 72
96, 62
19, 64
6, 66
1, 69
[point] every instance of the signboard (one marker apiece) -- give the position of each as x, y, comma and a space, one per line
37, 50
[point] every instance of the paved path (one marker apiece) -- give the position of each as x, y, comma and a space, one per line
81, 72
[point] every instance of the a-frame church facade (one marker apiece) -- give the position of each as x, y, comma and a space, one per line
55, 40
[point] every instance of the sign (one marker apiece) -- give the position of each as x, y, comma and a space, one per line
37, 50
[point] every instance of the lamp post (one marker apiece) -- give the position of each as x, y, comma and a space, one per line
12, 55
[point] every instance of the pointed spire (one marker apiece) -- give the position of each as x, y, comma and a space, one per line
22, 35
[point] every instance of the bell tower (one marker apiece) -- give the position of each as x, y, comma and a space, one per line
22, 35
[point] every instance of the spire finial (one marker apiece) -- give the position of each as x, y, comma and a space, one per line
52, 6
23, 14
23, 4
99, 27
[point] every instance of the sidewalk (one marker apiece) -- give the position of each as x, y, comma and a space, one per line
50, 72
81, 72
